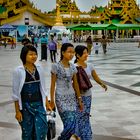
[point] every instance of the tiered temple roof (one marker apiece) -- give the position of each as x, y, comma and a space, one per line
121, 12
117, 11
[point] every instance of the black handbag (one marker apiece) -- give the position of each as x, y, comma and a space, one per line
51, 126
83, 79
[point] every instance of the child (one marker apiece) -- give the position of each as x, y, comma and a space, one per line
85, 131
96, 47
63, 76
30, 97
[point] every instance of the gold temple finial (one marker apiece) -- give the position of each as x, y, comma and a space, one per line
58, 21
1, 1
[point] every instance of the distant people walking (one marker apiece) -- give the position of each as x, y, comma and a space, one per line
30, 97
33, 39
25, 40
65, 38
0, 43
85, 131
44, 42
5, 43
52, 46
36, 40
89, 44
63, 76
13, 43
104, 42
139, 45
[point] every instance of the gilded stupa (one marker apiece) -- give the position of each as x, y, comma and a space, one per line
58, 21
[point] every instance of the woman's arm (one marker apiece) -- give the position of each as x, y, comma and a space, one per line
18, 115
98, 80
77, 91
48, 107
52, 89
15, 97
15, 85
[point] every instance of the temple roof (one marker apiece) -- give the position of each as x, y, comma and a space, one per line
117, 11
11, 11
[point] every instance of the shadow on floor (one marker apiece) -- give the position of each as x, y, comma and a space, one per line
99, 137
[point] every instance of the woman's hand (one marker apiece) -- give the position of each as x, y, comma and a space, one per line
104, 86
18, 116
81, 106
52, 104
48, 106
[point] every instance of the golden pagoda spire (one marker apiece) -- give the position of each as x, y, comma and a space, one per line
1, 1
58, 21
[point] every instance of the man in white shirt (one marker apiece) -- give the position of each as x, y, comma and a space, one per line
65, 39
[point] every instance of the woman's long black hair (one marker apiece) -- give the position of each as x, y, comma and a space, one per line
79, 49
64, 48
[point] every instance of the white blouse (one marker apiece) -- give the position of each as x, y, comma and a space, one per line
18, 82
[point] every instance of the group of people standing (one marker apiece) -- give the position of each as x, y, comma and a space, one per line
52, 45
73, 104
45, 45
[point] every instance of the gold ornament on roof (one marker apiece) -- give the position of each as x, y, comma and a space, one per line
58, 21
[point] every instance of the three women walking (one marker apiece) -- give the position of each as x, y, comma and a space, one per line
73, 104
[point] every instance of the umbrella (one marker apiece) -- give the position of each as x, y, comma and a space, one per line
54, 31
7, 28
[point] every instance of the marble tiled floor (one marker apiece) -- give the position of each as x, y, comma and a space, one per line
115, 114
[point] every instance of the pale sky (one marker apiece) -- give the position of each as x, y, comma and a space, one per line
83, 5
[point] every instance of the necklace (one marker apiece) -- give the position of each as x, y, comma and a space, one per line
32, 73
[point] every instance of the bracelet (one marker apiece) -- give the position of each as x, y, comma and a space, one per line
79, 97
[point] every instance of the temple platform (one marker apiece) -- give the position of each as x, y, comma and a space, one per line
115, 114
